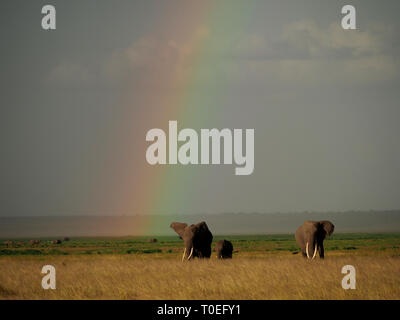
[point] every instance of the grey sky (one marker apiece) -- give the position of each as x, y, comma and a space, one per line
324, 103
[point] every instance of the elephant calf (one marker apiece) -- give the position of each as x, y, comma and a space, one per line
310, 237
224, 249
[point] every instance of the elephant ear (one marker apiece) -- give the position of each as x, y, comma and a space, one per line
328, 227
179, 228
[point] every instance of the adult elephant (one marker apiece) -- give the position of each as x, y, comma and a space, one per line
224, 249
310, 237
196, 237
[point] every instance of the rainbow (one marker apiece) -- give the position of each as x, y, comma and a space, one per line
189, 100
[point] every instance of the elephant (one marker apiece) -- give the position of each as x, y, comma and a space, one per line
224, 249
197, 239
8, 243
58, 241
33, 242
310, 237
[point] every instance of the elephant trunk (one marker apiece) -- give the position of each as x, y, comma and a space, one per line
315, 251
188, 252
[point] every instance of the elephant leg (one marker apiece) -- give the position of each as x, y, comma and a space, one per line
207, 252
321, 250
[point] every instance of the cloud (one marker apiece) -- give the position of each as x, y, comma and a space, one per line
305, 53
302, 53
355, 56
312, 41
155, 58
306, 40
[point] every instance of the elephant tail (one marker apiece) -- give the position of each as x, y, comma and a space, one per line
295, 252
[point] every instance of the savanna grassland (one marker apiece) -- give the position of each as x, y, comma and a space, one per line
263, 267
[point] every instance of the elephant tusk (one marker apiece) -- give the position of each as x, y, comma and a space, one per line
184, 252
315, 253
308, 256
190, 255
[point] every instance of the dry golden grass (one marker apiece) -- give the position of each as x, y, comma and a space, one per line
277, 276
